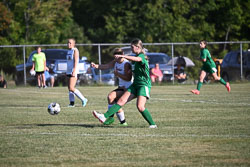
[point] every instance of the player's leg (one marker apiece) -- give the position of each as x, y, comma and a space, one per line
113, 97
120, 114
111, 100
38, 80
200, 82
226, 84
143, 95
71, 94
72, 83
126, 97
43, 80
71, 99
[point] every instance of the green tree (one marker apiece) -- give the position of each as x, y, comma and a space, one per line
36, 22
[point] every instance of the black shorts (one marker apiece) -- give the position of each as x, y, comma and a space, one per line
120, 89
39, 72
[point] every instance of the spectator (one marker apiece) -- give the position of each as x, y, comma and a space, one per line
39, 65
179, 74
49, 78
156, 74
3, 83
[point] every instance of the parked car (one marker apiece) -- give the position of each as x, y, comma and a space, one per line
162, 59
107, 76
55, 61
60, 69
231, 66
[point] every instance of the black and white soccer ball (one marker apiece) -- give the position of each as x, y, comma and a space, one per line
54, 108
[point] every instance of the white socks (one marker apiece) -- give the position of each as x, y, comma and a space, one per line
71, 97
120, 115
77, 93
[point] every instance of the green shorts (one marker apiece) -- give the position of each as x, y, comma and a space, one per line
140, 90
210, 70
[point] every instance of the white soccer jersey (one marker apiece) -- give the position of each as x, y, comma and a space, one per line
71, 61
120, 68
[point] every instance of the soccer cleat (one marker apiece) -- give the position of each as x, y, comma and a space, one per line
195, 91
71, 105
109, 121
124, 124
153, 126
84, 102
99, 116
228, 87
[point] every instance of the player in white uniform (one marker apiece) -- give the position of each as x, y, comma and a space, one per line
72, 71
123, 70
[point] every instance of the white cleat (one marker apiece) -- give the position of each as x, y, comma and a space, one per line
153, 126
99, 116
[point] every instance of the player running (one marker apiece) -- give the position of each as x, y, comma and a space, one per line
123, 70
72, 71
208, 67
139, 89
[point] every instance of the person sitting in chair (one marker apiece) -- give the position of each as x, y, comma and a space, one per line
156, 74
179, 74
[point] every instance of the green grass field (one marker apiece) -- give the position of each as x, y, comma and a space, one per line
212, 129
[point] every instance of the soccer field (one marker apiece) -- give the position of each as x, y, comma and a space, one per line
210, 129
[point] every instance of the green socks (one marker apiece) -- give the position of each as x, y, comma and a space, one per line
115, 108
147, 116
199, 85
223, 82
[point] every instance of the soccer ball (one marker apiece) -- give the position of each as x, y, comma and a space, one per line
32, 73
54, 108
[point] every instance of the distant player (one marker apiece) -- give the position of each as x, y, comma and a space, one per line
139, 89
72, 71
122, 70
208, 67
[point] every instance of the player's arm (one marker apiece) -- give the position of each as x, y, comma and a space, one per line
33, 66
45, 64
76, 59
127, 76
130, 58
104, 66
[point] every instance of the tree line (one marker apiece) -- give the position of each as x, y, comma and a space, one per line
112, 21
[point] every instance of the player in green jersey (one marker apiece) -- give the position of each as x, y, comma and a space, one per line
208, 67
139, 89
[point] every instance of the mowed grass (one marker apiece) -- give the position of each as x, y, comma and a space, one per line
212, 129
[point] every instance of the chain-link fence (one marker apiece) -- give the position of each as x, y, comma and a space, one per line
102, 53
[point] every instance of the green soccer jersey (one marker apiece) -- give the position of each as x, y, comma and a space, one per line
39, 61
141, 72
206, 55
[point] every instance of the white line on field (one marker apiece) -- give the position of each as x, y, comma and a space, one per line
133, 135
200, 101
